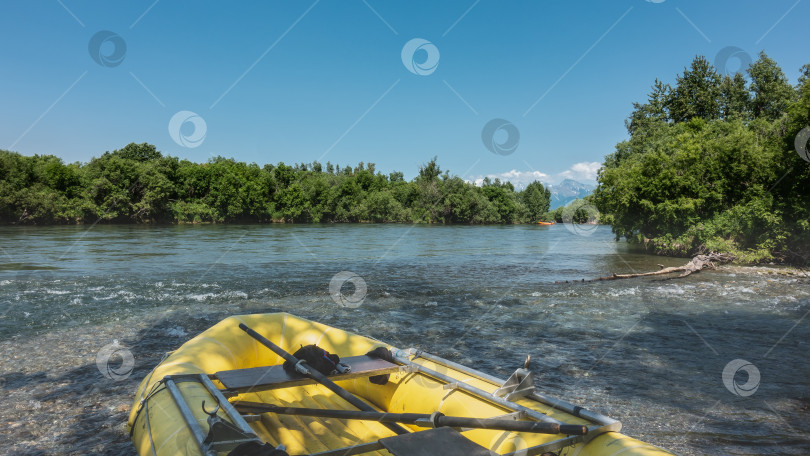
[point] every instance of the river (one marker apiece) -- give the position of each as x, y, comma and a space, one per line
648, 352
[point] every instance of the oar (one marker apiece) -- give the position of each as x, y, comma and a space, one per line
318, 377
420, 419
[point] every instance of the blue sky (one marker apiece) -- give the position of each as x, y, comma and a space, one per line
326, 80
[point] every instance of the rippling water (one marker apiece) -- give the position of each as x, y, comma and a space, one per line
650, 353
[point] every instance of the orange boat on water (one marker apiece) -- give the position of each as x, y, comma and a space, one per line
545, 223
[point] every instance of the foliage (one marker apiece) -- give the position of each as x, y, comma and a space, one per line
710, 165
696, 93
579, 211
137, 184
536, 199
772, 93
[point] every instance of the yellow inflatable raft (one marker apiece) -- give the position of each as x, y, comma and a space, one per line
206, 398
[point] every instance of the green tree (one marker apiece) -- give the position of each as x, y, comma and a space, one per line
138, 152
804, 75
430, 171
320, 197
735, 100
292, 203
537, 199
726, 184
696, 93
655, 110
383, 207
430, 192
504, 200
771, 89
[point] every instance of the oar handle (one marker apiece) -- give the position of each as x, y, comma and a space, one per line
573, 429
318, 377
420, 419
537, 427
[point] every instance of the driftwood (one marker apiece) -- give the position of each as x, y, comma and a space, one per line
697, 264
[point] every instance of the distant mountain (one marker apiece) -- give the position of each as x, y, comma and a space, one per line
568, 190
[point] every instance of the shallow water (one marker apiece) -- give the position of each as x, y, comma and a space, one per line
650, 353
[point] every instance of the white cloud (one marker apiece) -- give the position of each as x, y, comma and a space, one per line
584, 172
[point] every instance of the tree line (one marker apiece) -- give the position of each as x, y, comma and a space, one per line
711, 165
137, 184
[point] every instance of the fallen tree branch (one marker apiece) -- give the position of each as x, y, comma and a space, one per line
697, 264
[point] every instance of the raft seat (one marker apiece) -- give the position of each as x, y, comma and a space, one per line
273, 377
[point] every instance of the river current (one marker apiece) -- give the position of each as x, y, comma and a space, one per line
648, 352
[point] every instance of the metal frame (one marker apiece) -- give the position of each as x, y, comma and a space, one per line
406, 358
191, 421
602, 423
188, 416
555, 403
